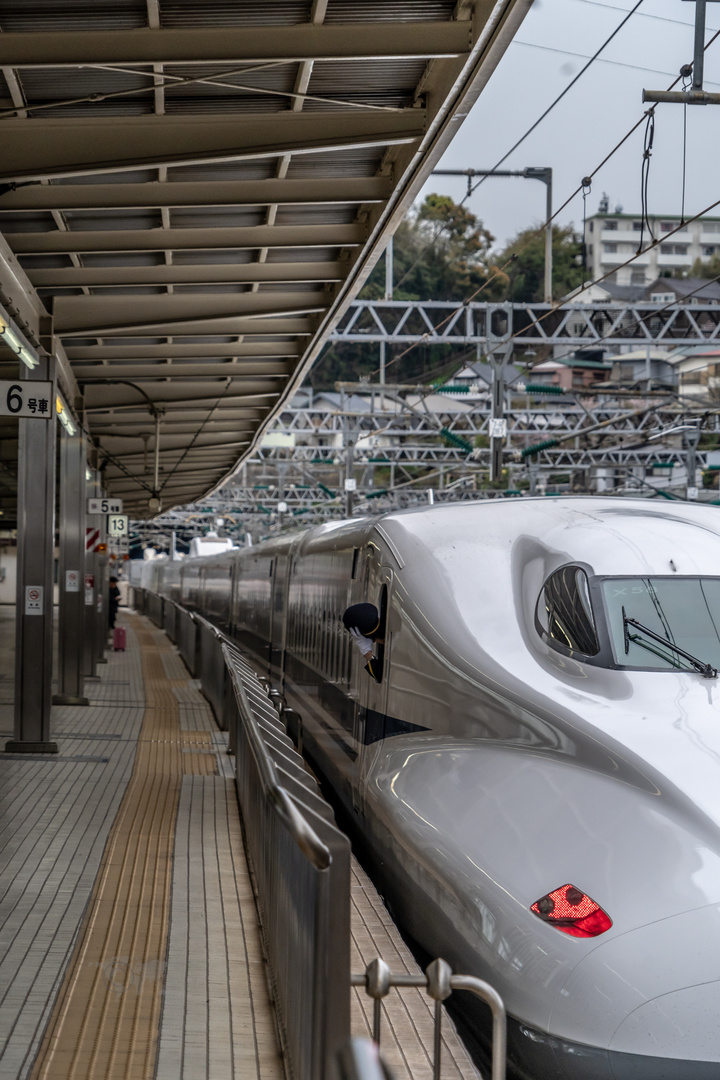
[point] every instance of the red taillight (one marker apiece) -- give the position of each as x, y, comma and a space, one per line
572, 912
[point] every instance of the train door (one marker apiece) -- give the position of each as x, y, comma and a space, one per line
280, 585
371, 702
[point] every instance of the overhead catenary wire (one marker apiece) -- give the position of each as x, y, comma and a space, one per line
540, 229
473, 188
563, 92
195, 437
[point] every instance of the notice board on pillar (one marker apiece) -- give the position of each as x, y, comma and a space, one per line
26, 399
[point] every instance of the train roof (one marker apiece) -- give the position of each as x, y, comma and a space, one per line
611, 536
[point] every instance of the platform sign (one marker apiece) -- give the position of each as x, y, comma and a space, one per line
26, 399
33, 599
104, 506
117, 525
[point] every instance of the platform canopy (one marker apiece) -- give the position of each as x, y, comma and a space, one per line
194, 190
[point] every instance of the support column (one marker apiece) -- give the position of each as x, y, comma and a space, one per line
34, 596
90, 588
350, 482
71, 570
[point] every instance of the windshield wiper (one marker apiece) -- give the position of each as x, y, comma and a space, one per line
705, 670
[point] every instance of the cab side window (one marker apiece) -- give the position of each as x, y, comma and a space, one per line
564, 614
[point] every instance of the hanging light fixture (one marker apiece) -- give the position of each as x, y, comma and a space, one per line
12, 338
64, 415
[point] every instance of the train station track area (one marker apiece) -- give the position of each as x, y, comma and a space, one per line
130, 946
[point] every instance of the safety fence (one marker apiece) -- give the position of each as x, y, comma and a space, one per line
300, 864
439, 982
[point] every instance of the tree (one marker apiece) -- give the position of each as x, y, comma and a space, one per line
526, 272
709, 269
440, 252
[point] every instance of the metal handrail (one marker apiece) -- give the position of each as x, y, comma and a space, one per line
301, 832
439, 982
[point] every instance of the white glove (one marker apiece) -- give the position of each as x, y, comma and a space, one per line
364, 644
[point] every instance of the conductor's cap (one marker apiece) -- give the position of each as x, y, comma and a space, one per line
365, 617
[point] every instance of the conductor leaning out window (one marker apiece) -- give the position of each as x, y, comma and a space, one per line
362, 621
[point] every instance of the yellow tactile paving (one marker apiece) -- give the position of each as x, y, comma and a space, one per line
105, 1023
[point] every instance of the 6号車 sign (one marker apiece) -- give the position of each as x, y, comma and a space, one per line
26, 399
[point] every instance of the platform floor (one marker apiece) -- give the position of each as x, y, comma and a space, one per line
129, 941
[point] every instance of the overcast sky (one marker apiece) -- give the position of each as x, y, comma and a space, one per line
551, 46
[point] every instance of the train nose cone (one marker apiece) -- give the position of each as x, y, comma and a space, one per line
681, 1025
653, 991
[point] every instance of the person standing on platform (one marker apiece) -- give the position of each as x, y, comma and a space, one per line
114, 601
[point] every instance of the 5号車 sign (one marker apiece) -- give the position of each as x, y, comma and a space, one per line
104, 506
26, 399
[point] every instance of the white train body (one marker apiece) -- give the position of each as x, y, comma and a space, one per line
497, 762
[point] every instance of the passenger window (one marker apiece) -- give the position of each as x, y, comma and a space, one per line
564, 612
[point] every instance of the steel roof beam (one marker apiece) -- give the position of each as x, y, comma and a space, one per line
98, 316
298, 327
102, 372
40, 148
340, 190
225, 436
174, 351
203, 396
238, 237
203, 45
100, 276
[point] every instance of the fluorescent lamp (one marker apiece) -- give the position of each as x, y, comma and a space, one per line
10, 337
64, 415
28, 357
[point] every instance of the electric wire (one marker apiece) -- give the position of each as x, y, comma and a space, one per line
531, 236
601, 60
192, 442
562, 94
473, 188
538, 231
641, 15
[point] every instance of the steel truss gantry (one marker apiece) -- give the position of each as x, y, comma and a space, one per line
449, 323
423, 443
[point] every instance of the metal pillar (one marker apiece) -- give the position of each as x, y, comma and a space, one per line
90, 588
350, 482
71, 571
498, 423
102, 576
691, 440
34, 597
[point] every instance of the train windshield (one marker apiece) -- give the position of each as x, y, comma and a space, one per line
647, 616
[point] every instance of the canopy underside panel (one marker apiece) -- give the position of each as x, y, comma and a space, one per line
194, 193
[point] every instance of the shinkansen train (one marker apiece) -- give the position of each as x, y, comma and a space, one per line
537, 770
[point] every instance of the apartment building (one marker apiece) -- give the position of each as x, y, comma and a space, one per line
611, 239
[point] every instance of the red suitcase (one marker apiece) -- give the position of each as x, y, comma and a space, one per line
119, 639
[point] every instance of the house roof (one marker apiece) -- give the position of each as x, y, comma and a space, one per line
702, 288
